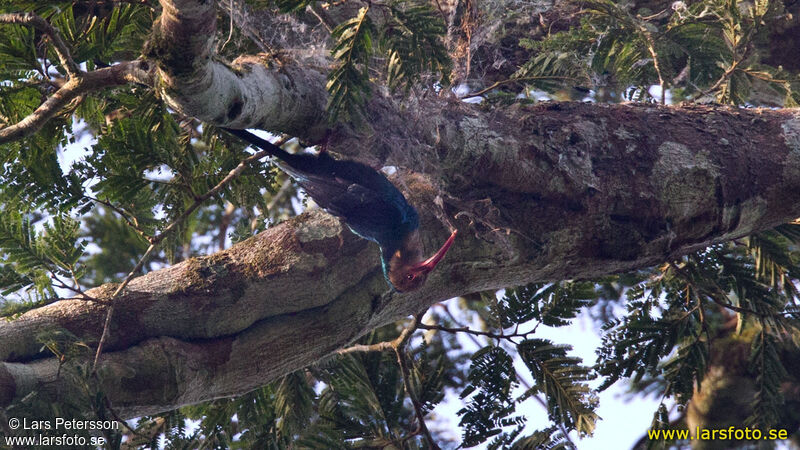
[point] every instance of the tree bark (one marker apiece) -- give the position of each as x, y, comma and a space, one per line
546, 192
252, 92
549, 192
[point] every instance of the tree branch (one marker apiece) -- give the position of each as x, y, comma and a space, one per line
560, 172
62, 51
155, 240
138, 71
475, 332
252, 92
399, 350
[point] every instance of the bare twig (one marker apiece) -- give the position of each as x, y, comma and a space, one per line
378, 347
110, 310
712, 295
399, 350
240, 19
719, 82
281, 192
651, 47
323, 16
235, 172
475, 332
107, 404
224, 223
130, 221
74, 289
472, 336
230, 30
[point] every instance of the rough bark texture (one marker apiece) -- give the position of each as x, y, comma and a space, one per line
252, 92
548, 192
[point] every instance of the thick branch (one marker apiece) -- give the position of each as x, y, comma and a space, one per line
550, 192
252, 92
627, 181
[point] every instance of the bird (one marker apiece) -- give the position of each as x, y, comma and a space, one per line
371, 206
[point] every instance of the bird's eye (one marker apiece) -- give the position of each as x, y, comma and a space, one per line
410, 276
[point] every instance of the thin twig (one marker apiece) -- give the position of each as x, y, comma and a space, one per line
651, 47
155, 240
230, 31
399, 350
322, 16
122, 214
560, 424
475, 332
248, 30
398, 345
110, 311
75, 289
287, 183
399, 341
62, 51
719, 82
138, 71
712, 295
378, 347
522, 381
107, 404
509, 81
215, 190
659, 15
472, 332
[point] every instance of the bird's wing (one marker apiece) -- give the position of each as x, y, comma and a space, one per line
373, 214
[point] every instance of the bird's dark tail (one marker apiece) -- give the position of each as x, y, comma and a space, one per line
263, 144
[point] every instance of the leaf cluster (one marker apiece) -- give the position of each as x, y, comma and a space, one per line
681, 320
35, 262
708, 50
409, 37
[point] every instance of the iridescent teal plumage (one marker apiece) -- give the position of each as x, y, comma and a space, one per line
369, 204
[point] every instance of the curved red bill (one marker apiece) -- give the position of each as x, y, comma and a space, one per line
429, 264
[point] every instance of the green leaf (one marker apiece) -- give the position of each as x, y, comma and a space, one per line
490, 381
770, 374
563, 380
414, 41
348, 83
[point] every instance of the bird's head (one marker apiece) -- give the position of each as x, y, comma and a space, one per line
406, 269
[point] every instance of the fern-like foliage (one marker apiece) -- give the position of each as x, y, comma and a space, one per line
699, 49
35, 261
410, 38
548, 439
552, 304
562, 379
678, 321
770, 374
348, 83
554, 66
489, 407
413, 43
636, 345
